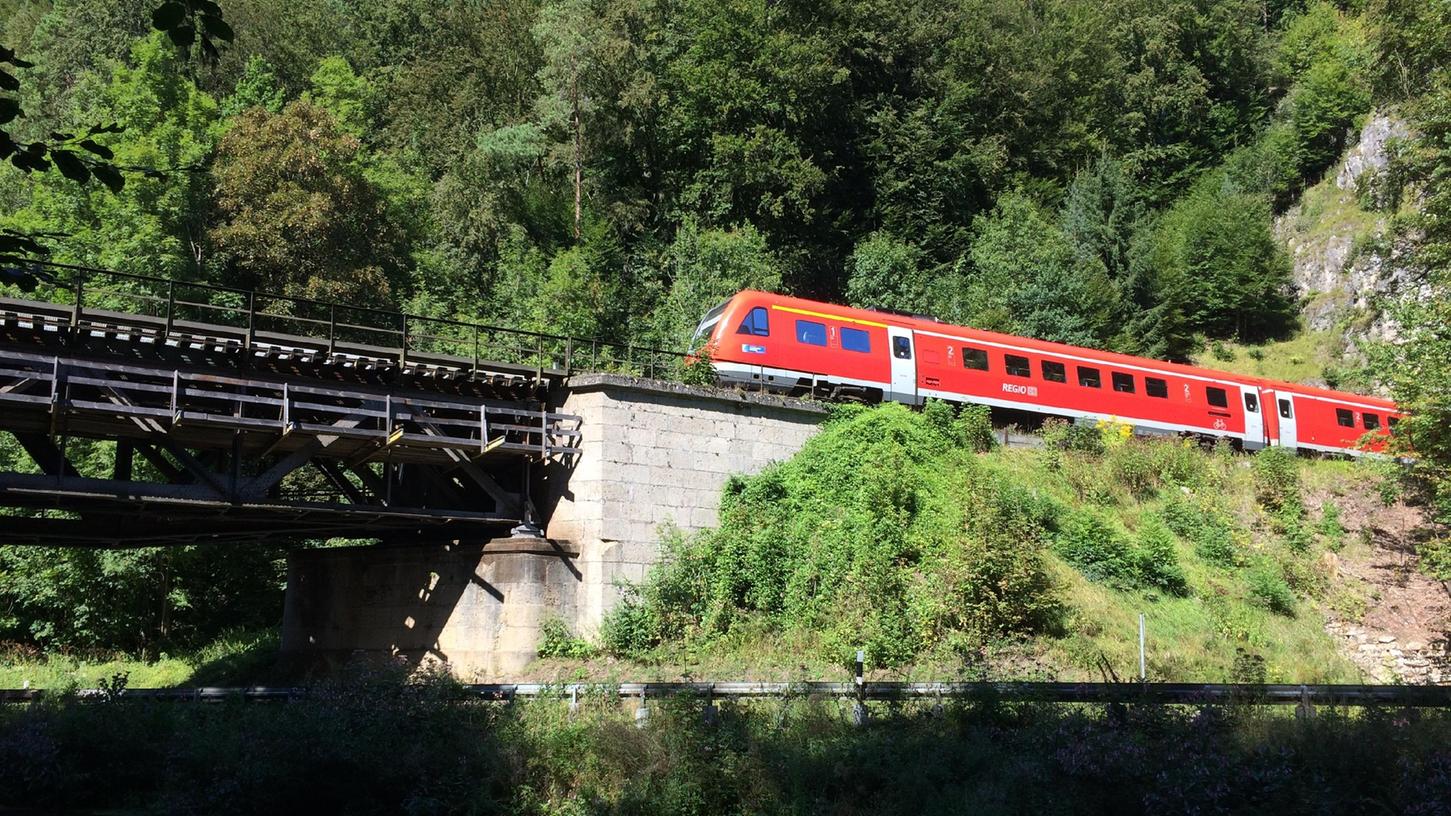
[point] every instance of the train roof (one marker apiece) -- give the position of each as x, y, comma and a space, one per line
928, 324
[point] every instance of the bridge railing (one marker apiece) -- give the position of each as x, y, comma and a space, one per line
194, 307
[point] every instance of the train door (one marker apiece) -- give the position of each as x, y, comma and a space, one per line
1254, 419
904, 365
1284, 409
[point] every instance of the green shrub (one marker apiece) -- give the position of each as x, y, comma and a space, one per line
1221, 352
1289, 522
1132, 465
557, 641
940, 415
1098, 549
874, 535
1159, 559
1330, 527
1267, 588
1435, 556
969, 426
975, 427
1277, 477
1085, 474
1205, 528
1179, 462
1070, 436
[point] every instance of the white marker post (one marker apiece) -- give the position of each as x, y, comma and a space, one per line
1143, 676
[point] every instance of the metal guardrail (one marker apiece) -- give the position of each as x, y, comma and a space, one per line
1045, 692
243, 315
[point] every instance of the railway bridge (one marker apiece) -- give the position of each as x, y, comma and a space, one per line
511, 476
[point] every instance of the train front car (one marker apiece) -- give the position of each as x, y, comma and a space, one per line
794, 346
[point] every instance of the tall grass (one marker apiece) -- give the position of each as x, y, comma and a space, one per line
368, 743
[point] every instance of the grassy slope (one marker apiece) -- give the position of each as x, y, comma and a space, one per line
235, 657
1219, 630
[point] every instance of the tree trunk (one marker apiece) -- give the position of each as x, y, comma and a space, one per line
578, 154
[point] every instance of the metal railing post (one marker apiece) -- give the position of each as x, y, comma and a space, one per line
80, 298
332, 328
170, 306
476, 350
568, 355
403, 355
251, 318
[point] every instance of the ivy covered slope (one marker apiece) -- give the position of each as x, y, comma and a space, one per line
910, 536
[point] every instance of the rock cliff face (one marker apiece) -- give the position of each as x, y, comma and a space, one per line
1346, 266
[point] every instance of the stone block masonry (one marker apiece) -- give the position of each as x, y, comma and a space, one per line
477, 607
655, 454
651, 454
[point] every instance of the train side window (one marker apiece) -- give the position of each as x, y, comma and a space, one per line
1122, 382
1018, 366
811, 333
902, 348
855, 340
1217, 397
1088, 377
1392, 422
1054, 372
1251, 402
1285, 410
757, 322
1155, 387
1370, 421
1345, 417
974, 358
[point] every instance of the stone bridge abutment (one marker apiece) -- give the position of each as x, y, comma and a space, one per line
651, 455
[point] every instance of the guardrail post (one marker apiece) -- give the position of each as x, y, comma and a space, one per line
711, 714
403, 354
859, 708
1305, 709
568, 355
332, 328
476, 350
642, 714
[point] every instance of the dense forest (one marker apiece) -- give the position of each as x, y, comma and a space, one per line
1102, 173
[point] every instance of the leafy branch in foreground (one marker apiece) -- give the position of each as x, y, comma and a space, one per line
186, 22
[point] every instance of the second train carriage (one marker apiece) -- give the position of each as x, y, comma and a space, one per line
769, 341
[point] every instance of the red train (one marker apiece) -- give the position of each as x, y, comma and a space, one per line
780, 343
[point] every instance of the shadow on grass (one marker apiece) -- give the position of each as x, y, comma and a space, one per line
369, 741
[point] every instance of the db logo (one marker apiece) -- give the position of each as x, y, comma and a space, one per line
1220, 425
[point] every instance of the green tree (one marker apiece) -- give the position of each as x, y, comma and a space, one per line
1417, 365
1101, 211
1212, 255
298, 215
886, 273
1026, 278
156, 224
337, 89
257, 87
706, 266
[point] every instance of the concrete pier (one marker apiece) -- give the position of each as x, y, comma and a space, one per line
652, 454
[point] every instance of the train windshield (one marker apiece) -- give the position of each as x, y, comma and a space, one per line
707, 323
